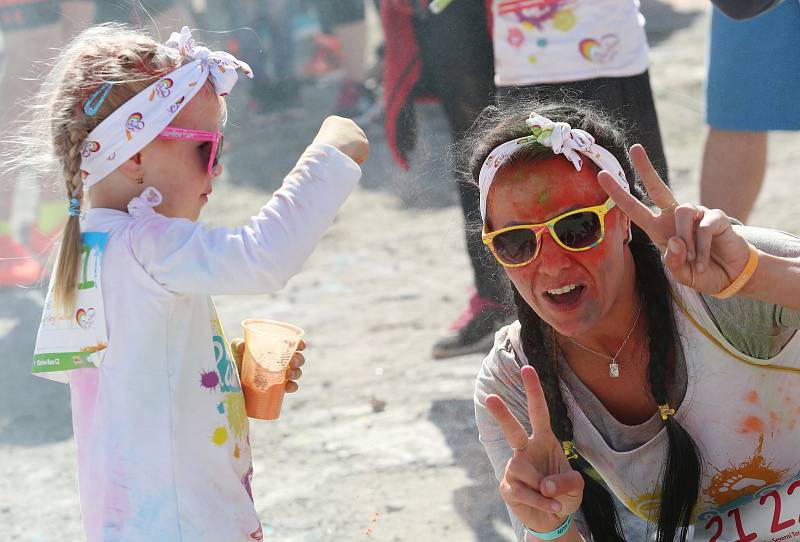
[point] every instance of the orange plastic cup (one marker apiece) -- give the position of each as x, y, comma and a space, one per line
268, 347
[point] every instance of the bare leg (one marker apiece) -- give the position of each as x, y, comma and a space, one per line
353, 37
734, 164
355, 100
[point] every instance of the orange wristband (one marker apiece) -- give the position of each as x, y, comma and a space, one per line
739, 282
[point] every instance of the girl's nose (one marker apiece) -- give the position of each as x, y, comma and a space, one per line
217, 170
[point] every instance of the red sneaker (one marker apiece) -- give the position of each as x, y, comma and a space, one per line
474, 330
18, 267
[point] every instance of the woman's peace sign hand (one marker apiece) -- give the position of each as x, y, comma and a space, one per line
539, 485
700, 248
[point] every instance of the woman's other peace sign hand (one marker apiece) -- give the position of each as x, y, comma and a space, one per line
539, 485
699, 246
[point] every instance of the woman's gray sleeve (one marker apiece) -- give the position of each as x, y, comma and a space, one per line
755, 327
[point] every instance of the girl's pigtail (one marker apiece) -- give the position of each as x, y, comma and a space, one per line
69, 254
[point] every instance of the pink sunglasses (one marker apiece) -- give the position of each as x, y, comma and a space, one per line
183, 134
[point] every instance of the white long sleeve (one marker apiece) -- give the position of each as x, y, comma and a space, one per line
187, 258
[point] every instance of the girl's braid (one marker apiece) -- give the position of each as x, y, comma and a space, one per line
76, 135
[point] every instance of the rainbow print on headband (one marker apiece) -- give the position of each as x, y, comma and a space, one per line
134, 124
138, 121
89, 147
174, 107
162, 88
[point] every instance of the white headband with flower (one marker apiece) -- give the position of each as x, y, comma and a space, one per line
562, 139
138, 121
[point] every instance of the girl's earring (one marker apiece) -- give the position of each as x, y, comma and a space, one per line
140, 177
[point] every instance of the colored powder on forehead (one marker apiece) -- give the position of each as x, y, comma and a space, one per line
543, 197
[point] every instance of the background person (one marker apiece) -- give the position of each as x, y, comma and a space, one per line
447, 57
750, 91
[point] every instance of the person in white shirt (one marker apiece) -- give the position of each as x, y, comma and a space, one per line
163, 442
592, 50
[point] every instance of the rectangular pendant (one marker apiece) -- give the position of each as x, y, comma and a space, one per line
613, 369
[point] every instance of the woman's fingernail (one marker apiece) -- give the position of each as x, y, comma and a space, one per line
550, 486
555, 506
700, 267
690, 257
672, 245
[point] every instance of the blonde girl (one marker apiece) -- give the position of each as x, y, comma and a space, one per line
159, 421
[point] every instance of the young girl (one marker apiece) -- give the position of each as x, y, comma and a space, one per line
158, 412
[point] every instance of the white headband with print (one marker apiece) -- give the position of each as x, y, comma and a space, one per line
138, 121
562, 139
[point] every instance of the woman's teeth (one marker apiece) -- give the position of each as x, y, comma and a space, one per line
566, 295
563, 289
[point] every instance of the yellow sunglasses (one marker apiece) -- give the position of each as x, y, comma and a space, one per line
575, 231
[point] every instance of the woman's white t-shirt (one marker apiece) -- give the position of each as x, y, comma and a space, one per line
555, 41
164, 451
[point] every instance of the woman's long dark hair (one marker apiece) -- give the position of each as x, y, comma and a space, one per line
680, 477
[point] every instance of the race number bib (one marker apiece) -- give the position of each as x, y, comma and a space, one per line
770, 514
76, 340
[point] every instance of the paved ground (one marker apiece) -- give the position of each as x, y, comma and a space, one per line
380, 444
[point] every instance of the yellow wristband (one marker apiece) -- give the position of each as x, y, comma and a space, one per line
739, 282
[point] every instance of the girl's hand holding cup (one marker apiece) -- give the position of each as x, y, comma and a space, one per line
345, 135
293, 372
539, 485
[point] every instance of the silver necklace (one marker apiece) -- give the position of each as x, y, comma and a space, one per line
613, 367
